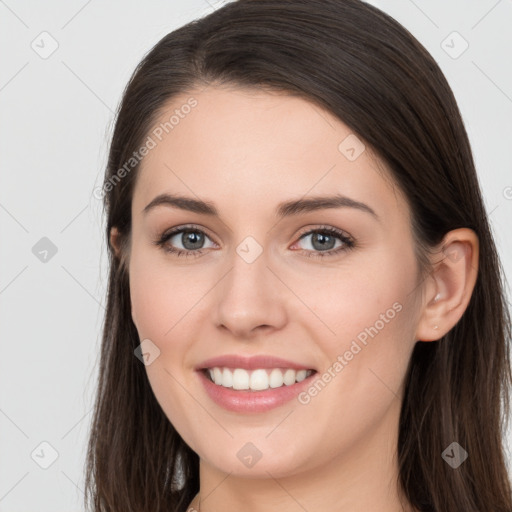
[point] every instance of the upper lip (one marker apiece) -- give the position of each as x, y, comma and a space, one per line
250, 363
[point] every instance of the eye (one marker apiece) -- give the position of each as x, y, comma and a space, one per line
190, 237
323, 242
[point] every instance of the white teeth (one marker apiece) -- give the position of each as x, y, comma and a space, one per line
256, 380
259, 380
217, 376
227, 378
301, 375
289, 377
276, 378
240, 379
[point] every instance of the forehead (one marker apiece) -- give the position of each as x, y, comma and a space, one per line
250, 147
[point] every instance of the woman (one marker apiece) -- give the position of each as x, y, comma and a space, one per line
305, 307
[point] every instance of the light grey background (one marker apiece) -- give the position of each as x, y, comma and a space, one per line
56, 118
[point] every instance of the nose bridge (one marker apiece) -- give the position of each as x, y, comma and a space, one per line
249, 296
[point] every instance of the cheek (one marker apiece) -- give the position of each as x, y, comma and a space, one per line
160, 295
371, 312
372, 315
368, 293
163, 305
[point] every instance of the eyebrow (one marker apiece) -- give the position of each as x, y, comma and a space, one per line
285, 209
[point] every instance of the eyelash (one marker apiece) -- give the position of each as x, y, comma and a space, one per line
348, 242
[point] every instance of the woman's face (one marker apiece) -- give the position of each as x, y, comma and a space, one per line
253, 282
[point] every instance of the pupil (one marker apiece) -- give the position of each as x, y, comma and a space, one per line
195, 238
323, 241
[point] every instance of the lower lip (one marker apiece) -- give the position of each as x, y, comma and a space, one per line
252, 401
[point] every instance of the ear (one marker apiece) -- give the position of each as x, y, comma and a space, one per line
450, 285
115, 241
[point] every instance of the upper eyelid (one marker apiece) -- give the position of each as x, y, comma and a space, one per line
332, 229
179, 229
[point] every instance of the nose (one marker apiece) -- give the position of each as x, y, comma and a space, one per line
250, 299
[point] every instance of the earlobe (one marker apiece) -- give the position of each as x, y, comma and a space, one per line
450, 284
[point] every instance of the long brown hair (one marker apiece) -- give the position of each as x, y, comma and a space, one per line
369, 71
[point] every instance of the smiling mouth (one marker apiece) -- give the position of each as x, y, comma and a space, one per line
259, 379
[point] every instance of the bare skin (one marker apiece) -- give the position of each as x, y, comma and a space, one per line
245, 152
